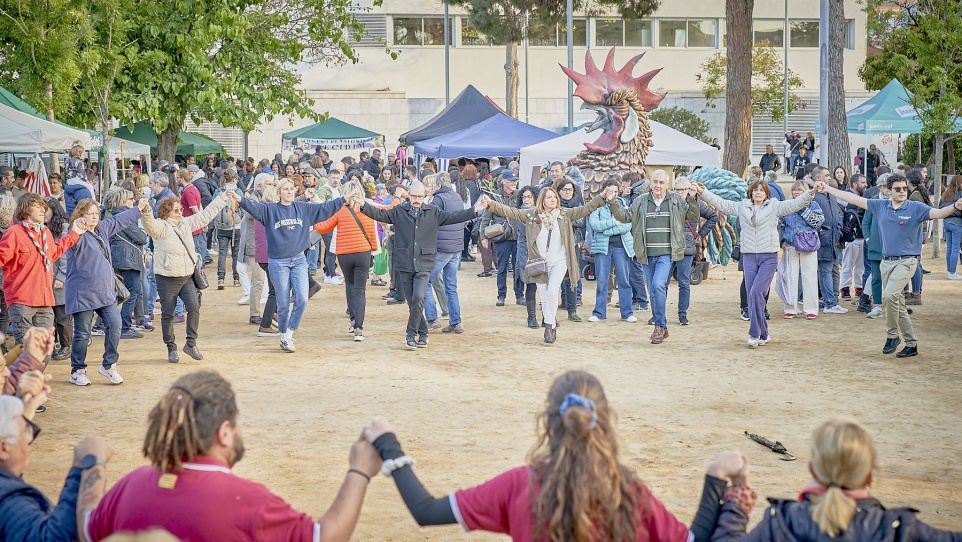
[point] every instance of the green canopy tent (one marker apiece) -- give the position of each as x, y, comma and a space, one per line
188, 143
332, 135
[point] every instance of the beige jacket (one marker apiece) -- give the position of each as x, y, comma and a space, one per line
171, 258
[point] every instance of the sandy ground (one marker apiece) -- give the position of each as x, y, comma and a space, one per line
465, 407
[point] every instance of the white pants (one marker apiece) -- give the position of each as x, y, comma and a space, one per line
852, 264
808, 264
245, 278
549, 292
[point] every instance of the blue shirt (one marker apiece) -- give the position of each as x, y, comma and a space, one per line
165, 193
900, 229
288, 227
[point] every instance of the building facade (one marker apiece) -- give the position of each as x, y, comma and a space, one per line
392, 96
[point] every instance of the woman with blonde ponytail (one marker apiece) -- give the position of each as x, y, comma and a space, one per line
573, 488
835, 505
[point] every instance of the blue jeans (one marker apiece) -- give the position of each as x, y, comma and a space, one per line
152, 288
657, 274
826, 285
639, 292
684, 283
312, 255
917, 277
508, 250
133, 283
81, 335
200, 246
289, 274
953, 240
446, 264
617, 257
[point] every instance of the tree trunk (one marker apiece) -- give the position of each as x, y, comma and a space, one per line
48, 101
937, 192
512, 79
738, 85
839, 150
950, 158
167, 143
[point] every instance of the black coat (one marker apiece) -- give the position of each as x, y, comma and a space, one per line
831, 230
126, 247
416, 239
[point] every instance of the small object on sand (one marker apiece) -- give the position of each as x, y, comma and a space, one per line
776, 446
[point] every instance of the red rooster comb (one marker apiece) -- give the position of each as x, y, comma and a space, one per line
595, 84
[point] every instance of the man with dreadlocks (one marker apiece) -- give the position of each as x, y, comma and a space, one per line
193, 440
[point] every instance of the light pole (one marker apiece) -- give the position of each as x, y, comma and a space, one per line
527, 108
785, 44
823, 98
447, 57
571, 37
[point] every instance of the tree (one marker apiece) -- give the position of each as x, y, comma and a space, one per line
40, 38
923, 49
683, 120
509, 22
226, 61
839, 149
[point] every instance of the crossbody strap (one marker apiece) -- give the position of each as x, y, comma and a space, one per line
192, 260
102, 251
361, 226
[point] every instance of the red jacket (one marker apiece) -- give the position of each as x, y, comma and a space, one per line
25, 281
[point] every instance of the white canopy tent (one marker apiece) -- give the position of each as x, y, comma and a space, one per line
55, 136
671, 148
19, 138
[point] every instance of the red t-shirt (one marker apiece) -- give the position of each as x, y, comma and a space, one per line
190, 196
501, 505
205, 502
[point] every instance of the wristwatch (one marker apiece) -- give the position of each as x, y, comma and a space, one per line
90, 460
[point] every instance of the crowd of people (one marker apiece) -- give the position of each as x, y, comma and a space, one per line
82, 263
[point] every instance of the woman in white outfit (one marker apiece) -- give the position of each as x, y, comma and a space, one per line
802, 258
550, 235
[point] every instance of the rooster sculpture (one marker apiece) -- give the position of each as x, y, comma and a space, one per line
622, 103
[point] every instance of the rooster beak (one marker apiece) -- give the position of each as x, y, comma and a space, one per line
603, 119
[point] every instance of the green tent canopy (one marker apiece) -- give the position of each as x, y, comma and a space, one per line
332, 134
188, 143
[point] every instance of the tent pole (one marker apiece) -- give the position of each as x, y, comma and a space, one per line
570, 38
865, 160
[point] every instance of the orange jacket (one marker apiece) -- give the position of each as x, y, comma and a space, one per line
350, 240
25, 281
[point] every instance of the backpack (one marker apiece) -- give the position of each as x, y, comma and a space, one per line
851, 227
227, 216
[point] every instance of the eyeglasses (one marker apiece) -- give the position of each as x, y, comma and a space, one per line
34, 429
900, 188
413, 196
679, 190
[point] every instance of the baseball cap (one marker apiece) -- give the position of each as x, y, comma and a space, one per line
312, 171
509, 175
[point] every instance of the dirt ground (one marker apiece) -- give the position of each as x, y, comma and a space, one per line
465, 407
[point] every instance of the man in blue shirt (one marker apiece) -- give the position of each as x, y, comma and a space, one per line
900, 226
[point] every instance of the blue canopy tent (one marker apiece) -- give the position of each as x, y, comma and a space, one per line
499, 135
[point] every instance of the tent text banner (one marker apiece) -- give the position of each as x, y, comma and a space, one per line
340, 144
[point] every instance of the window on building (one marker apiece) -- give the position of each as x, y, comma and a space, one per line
772, 30
803, 33
472, 36
638, 33
850, 34
702, 32
579, 30
672, 33
421, 31
609, 32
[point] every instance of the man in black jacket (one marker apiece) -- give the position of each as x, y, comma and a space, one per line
415, 247
769, 161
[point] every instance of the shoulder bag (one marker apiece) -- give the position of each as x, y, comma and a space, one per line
368, 239
805, 241
121, 290
199, 277
538, 267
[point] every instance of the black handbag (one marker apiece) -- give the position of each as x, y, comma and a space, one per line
199, 277
123, 294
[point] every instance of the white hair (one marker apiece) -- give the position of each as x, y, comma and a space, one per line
659, 172
161, 178
11, 408
443, 179
681, 181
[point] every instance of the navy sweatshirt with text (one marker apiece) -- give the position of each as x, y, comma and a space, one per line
288, 227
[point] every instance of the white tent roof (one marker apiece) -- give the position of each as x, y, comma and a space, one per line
55, 136
16, 137
671, 148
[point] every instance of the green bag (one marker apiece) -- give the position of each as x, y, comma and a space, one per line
380, 262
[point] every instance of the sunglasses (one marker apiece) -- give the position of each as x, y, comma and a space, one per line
33, 428
900, 188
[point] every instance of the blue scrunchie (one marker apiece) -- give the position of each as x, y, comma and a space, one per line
573, 399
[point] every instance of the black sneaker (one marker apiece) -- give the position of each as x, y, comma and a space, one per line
500, 302
422, 342
410, 344
908, 352
891, 345
651, 321
41, 408
61, 353
172, 356
683, 320
767, 316
484, 274
131, 334
395, 302
745, 316
454, 328
519, 301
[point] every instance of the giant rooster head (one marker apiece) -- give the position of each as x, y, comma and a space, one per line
617, 97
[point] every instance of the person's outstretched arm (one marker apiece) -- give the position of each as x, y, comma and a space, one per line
425, 509
337, 524
844, 195
725, 465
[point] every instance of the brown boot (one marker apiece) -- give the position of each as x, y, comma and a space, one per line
550, 333
659, 335
913, 298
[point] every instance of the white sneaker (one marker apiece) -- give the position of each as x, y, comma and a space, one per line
763, 342
79, 377
358, 335
753, 342
244, 300
631, 319
112, 375
594, 318
954, 276
212, 252
337, 281
875, 312
834, 310
288, 345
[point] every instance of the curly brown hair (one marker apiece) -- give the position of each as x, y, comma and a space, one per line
166, 206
